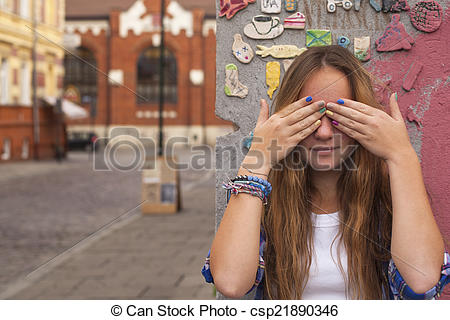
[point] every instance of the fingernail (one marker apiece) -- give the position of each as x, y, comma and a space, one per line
322, 110
340, 101
330, 113
321, 104
396, 98
317, 122
308, 98
335, 122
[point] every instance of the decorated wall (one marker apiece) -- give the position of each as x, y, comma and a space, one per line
403, 43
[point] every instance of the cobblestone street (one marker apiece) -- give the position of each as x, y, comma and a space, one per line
50, 249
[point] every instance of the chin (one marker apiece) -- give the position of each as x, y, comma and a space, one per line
323, 165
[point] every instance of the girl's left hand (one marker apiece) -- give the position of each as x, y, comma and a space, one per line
382, 134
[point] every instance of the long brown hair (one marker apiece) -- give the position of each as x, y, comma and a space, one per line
365, 205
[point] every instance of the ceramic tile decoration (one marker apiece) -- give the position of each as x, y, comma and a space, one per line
290, 5
317, 38
411, 75
280, 51
233, 87
287, 63
343, 41
271, 6
357, 5
332, 4
395, 5
241, 50
426, 15
375, 5
229, 8
295, 21
264, 27
394, 37
362, 48
272, 76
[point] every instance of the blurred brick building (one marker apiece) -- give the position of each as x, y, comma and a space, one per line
121, 39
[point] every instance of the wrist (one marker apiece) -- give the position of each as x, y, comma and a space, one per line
401, 157
256, 162
250, 168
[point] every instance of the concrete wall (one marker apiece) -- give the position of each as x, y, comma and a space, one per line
426, 106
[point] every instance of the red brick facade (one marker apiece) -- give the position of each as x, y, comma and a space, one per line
16, 125
195, 104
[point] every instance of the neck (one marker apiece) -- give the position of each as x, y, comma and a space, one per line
326, 184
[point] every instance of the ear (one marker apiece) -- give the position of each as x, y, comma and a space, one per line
395, 110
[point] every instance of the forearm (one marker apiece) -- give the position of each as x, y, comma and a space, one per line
417, 246
235, 250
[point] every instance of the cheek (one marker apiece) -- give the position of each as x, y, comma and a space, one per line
346, 140
307, 142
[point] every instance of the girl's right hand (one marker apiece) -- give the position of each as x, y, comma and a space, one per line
275, 137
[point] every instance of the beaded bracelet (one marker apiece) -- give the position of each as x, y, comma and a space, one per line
236, 187
249, 184
255, 179
253, 184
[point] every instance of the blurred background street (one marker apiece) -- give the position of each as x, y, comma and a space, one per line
74, 76
48, 207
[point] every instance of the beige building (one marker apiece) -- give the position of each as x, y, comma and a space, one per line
17, 138
16, 43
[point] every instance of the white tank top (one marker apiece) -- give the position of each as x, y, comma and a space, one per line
325, 279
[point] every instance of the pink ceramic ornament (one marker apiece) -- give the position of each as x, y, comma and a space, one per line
394, 37
231, 7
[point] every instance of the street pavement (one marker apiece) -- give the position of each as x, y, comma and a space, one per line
69, 232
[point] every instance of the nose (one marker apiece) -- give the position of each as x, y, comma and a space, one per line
325, 130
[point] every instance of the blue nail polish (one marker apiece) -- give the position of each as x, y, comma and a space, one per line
308, 98
340, 101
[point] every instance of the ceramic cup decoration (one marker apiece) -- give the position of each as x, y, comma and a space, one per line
264, 27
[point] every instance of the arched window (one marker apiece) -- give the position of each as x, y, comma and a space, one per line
80, 73
148, 76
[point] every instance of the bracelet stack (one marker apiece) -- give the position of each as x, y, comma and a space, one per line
249, 184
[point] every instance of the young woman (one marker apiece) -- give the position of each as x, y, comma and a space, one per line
347, 214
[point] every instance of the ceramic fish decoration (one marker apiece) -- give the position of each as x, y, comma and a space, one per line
280, 51
273, 72
241, 50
